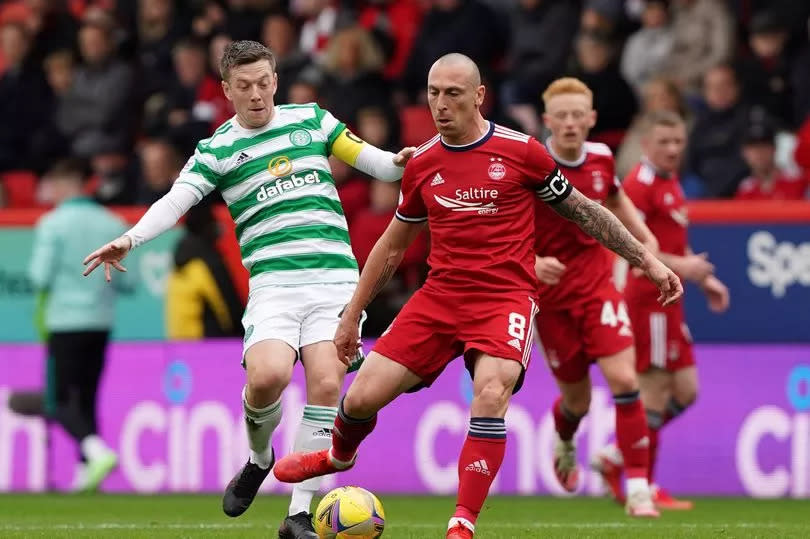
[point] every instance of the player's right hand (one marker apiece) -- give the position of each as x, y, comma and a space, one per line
696, 267
668, 284
548, 269
110, 255
347, 338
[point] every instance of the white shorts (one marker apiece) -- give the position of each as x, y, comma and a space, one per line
297, 315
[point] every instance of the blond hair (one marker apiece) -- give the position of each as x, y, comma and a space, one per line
567, 85
665, 118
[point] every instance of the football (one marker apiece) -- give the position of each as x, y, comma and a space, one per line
349, 513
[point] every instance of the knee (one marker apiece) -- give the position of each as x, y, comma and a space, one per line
492, 399
360, 403
687, 397
624, 382
325, 390
268, 377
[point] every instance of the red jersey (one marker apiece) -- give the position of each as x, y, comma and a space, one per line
479, 202
588, 265
662, 203
784, 187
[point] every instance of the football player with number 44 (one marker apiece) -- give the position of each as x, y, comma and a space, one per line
475, 186
585, 319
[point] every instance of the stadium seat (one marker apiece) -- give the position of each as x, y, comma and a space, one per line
20, 188
417, 125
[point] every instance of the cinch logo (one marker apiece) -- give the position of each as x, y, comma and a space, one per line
777, 265
282, 185
768, 425
472, 199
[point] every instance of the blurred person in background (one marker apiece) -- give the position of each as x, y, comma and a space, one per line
194, 98
24, 98
320, 20
51, 27
602, 17
201, 300
48, 143
160, 163
703, 36
353, 64
612, 95
469, 27
533, 63
657, 94
394, 25
305, 89
766, 180
97, 112
646, 51
157, 30
765, 74
716, 138
79, 313
279, 34
665, 359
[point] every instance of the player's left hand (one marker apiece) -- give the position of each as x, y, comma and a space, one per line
716, 294
664, 279
347, 338
404, 155
110, 255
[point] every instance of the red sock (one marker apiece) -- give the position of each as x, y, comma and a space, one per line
653, 453
632, 434
348, 433
565, 421
478, 464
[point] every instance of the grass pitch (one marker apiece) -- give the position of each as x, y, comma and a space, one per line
124, 517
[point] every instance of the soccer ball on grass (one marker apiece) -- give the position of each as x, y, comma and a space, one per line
349, 513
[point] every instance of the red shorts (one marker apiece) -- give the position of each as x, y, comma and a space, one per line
574, 338
662, 337
434, 328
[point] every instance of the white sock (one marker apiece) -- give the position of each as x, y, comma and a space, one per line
636, 484
314, 434
93, 447
261, 422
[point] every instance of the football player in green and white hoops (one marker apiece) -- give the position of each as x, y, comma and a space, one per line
270, 165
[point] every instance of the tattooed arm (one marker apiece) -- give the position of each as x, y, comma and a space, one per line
602, 225
380, 267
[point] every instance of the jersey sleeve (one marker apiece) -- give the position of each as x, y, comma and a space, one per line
411, 207
330, 127
200, 173
544, 176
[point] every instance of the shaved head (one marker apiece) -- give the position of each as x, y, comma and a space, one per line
462, 62
455, 95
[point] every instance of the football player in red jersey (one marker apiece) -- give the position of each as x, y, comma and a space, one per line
584, 317
665, 360
475, 184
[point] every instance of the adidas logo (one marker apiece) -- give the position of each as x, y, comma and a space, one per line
322, 433
515, 343
479, 466
437, 180
242, 158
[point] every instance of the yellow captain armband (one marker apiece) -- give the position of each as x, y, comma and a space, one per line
347, 147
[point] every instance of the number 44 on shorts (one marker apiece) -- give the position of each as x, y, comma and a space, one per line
615, 317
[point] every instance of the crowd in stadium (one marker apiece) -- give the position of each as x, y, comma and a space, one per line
128, 87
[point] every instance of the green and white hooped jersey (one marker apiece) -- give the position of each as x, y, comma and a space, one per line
280, 193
